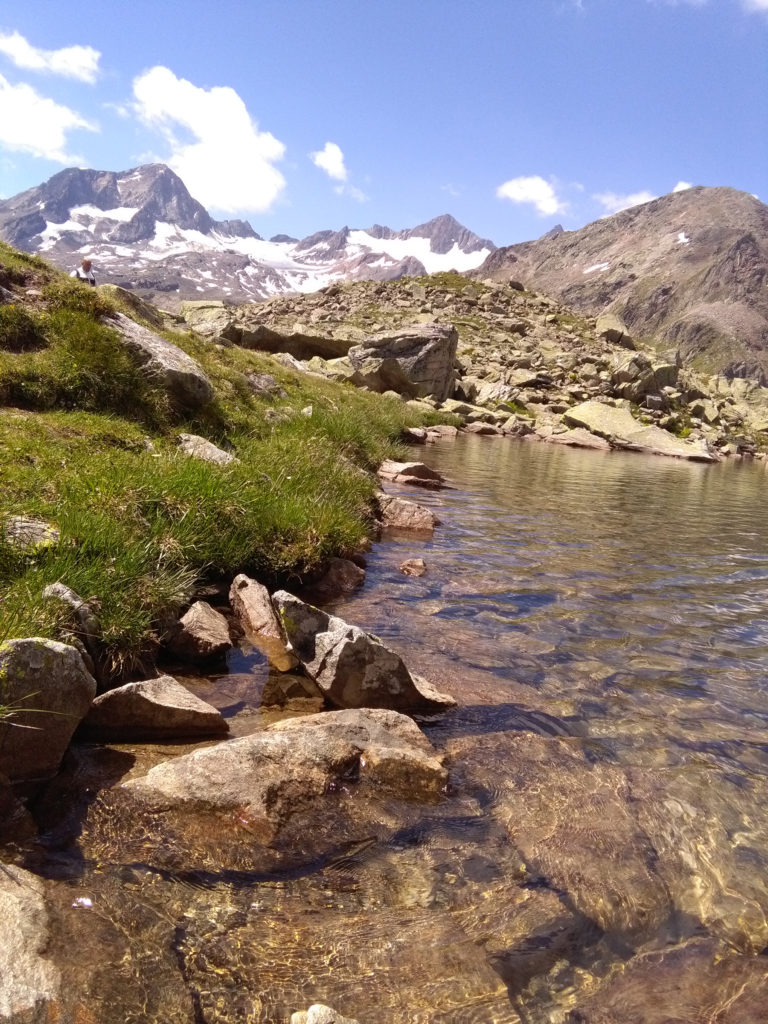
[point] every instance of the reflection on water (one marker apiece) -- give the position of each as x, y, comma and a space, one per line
603, 857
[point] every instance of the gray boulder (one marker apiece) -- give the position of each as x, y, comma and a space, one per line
210, 318
200, 448
165, 362
619, 427
154, 709
49, 687
416, 361
352, 668
29, 982
611, 328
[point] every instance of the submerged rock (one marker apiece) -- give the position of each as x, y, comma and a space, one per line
400, 514
29, 981
352, 668
291, 788
319, 1013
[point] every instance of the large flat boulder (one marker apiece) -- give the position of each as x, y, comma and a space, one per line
619, 427
416, 361
165, 362
299, 789
50, 689
352, 668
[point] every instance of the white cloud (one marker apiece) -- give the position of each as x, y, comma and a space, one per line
755, 5
353, 192
81, 62
682, 186
35, 124
331, 160
613, 203
533, 190
229, 164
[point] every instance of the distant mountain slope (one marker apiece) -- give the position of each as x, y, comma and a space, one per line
688, 270
145, 232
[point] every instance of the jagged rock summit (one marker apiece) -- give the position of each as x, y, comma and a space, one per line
686, 272
146, 233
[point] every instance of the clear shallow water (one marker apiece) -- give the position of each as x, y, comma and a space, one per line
603, 856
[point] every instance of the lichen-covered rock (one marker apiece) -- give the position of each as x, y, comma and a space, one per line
50, 690
154, 709
28, 534
352, 668
619, 427
165, 362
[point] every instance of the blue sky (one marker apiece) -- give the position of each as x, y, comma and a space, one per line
513, 115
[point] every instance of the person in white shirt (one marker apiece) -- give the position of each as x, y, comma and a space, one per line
84, 272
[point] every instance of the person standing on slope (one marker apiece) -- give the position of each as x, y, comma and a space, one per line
84, 272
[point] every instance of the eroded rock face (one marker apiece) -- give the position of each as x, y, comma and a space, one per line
51, 682
352, 668
165, 362
416, 360
154, 709
29, 982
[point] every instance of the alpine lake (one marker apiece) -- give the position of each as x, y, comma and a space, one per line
601, 853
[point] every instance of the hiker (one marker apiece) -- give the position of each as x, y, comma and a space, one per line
84, 272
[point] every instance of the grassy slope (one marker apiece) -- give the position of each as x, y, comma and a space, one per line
88, 445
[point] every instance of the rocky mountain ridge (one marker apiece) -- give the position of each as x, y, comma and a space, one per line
525, 364
146, 233
686, 272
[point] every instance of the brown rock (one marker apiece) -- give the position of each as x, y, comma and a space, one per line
253, 610
400, 514
201, 633
413, 567
155, 709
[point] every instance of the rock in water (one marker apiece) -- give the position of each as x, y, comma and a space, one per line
352, 668
154, 709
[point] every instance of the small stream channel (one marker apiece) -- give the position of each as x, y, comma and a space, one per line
602, 855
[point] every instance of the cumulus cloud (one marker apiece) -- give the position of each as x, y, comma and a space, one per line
681, 186
81, 62
534, 190
613, 202
331, 160
228, 165
35, 124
